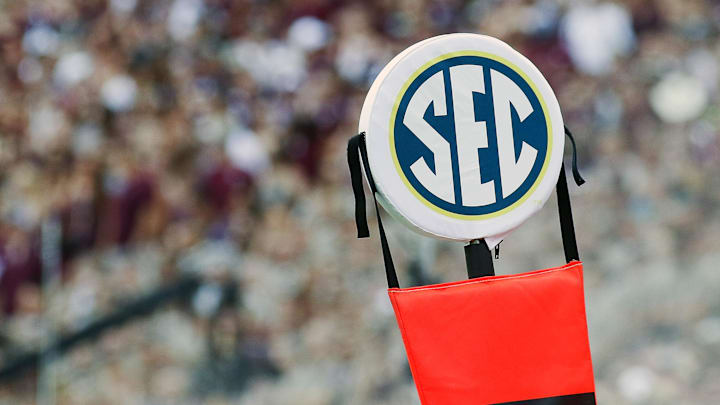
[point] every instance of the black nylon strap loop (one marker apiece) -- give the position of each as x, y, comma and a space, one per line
356, 150
576, 173
567, 228
353, 157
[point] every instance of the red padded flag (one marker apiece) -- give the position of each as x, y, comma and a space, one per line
499, 339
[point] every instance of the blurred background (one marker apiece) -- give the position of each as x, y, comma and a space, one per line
176, 218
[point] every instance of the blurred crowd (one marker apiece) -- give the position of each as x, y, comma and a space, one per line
141, 141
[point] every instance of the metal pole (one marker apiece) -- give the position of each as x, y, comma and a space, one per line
478, 259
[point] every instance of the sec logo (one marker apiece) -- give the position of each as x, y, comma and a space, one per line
470, 135
464, 137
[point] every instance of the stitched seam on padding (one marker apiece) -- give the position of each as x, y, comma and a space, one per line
488, 280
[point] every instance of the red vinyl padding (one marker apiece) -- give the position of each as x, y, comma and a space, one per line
497, 339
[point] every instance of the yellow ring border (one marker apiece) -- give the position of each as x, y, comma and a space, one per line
392, 135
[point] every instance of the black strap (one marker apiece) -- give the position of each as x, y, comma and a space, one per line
576, 173
567, 227
353, 156
356, 148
